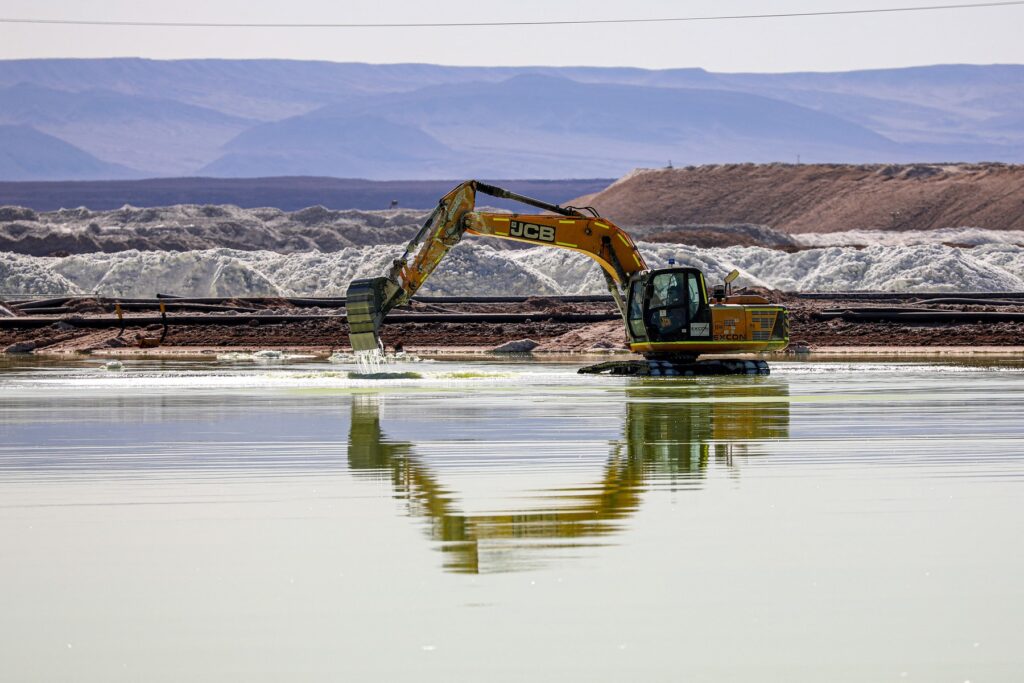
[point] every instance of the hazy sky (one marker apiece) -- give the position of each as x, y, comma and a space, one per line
975, 36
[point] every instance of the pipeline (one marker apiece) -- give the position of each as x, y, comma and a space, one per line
276, 319
921, 316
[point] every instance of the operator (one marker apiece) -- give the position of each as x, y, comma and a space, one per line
667, 315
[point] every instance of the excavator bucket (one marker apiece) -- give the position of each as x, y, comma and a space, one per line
366, 303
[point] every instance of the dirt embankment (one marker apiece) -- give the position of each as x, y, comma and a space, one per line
819, 197
808, 327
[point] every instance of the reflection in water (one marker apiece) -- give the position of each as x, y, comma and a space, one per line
671, 433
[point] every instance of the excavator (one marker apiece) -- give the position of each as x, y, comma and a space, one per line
670, 316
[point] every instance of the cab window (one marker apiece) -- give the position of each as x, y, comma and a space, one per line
636, 310
667, 290
667, 317
694, 298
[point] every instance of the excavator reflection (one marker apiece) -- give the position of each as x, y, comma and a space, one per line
669, 441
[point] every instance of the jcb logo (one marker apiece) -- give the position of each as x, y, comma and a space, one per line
530, 231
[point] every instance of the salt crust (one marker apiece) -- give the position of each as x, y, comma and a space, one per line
478, 269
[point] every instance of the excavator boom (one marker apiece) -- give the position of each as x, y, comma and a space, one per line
368, 301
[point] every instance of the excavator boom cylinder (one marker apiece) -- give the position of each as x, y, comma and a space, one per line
502, 193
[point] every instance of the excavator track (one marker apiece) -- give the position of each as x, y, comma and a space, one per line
668, 368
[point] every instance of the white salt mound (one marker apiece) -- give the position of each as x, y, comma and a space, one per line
474, 267
968, 236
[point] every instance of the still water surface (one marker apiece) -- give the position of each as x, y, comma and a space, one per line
216, 521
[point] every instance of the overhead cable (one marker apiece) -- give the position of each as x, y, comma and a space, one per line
457, 24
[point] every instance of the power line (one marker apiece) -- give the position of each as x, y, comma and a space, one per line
566, 22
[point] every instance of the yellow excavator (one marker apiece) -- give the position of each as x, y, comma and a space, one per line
670, 316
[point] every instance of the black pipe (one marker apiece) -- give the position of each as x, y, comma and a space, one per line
175, 305
948, 317
961, 301
228, 320
324, 302
876, 310
572, 298
870, 296
43, 303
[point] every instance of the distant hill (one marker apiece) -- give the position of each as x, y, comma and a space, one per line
480, 128
287, 194
818, 197
343, 146
408, 121
152, 135
27, 153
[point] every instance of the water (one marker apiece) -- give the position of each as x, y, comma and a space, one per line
371, 362
178, 520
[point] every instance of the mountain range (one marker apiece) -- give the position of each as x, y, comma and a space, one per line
135, 118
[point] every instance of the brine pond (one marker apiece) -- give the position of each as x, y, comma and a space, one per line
184, 520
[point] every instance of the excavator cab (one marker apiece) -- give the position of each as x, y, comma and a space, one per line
668, 305
671, 320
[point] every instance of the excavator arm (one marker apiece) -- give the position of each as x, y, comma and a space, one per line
368, 301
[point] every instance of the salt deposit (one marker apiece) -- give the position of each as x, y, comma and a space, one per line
186, 227
232, 356
264, 356
918, 268
475, 267
28, 275
964, 236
